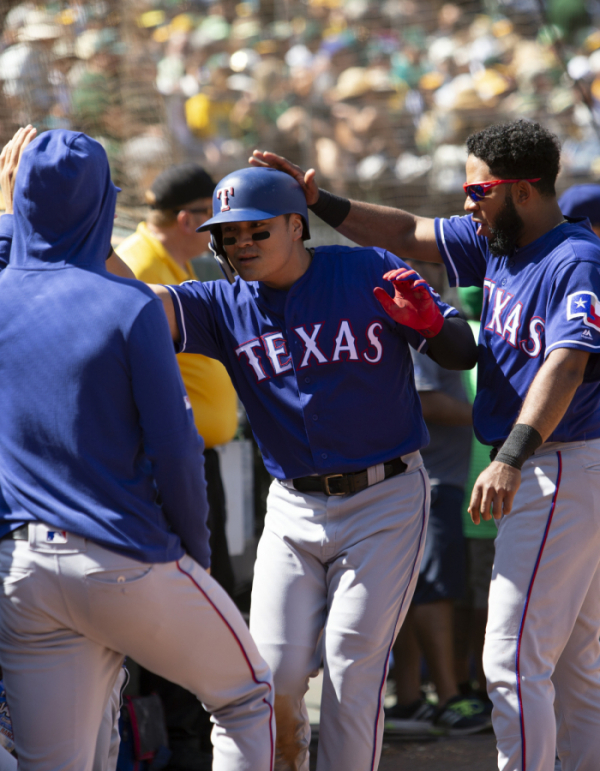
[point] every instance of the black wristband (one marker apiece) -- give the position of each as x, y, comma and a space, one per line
331, 208
521, 443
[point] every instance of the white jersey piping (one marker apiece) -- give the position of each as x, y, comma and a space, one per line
184, 341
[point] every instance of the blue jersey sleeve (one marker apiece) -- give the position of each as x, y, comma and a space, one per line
573, 315
195, 318
171, 441
463, 251
414, 338
6, 236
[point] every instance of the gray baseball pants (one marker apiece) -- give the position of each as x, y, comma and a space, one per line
106, 753
70, 612
333, 580
542, 648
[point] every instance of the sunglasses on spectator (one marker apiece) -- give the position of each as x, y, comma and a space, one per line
478, 190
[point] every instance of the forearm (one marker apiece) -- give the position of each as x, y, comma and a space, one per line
445, 410
454, 347
398, 231
181, 483
552, 390
546, 402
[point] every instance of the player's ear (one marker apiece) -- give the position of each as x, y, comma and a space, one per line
185, 223
522, 192
296, 227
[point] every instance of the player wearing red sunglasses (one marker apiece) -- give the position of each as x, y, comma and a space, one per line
477, 191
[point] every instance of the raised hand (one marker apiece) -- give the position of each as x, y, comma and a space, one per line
10, 158
305, 179
413, 304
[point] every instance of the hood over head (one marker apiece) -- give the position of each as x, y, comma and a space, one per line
64, 203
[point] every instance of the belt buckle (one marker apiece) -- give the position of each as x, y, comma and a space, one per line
326, 483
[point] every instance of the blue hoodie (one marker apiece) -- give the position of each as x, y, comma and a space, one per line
96, 432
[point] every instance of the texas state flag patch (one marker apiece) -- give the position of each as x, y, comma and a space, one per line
586, 306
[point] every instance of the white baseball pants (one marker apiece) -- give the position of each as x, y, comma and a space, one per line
542, 654
333, 580
70, 611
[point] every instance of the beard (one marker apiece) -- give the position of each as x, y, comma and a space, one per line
507, 229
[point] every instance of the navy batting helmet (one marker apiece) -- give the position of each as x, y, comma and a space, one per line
253, 194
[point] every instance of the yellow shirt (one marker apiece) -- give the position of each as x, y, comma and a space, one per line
207, 383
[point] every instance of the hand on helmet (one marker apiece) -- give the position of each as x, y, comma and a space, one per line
413, 304
306, 179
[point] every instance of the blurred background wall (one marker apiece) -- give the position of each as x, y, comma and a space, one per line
379, 96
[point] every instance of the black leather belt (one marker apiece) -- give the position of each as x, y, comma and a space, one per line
346, 484
18, 534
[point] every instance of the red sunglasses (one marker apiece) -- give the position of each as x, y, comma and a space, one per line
477, 190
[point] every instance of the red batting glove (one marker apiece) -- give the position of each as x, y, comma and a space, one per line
413, 304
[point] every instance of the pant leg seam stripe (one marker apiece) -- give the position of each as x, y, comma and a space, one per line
525, 608
382, 686
244, 654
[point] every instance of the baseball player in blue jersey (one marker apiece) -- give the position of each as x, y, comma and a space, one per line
103, 540
538, 405
325, 375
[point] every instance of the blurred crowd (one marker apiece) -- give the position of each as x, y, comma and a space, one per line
375, 95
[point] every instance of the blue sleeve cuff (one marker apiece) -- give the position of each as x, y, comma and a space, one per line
462, 250
453, 279
180, 346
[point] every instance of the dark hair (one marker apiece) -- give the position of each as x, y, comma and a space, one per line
179, 185
519, 150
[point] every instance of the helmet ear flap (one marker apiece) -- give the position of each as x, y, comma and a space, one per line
305, 230
216, 247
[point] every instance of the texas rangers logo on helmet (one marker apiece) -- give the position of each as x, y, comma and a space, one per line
586, 305
223, 195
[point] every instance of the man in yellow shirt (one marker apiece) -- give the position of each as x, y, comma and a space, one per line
160, 252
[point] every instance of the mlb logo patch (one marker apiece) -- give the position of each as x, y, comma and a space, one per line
56, 536
584, 305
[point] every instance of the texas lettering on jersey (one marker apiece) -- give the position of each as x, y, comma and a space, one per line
504, 318
273, 348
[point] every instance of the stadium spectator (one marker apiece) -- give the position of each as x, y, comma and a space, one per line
160, 252
378, 96
428, 627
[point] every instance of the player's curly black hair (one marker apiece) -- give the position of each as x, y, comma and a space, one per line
519, 150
